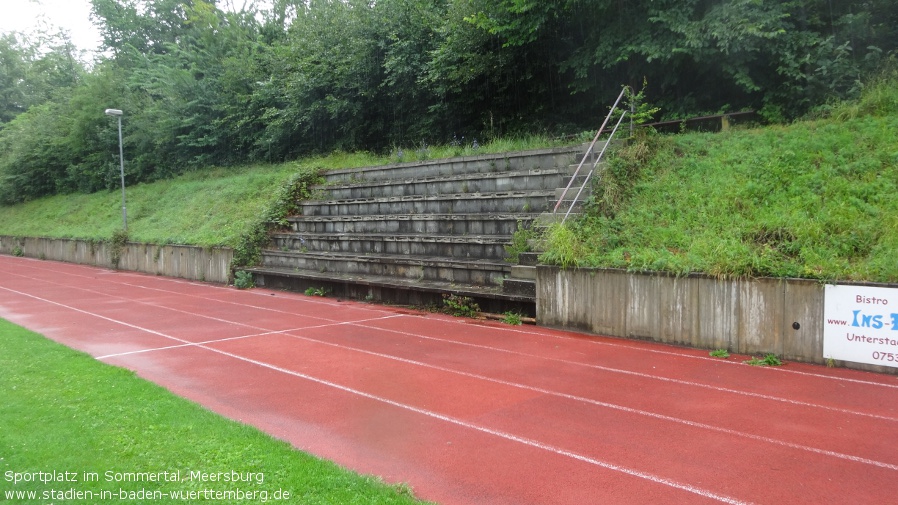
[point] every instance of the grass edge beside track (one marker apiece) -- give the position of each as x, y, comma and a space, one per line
63, 411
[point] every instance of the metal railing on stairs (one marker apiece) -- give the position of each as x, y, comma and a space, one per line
586, 156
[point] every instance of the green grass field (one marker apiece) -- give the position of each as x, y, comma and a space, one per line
65, 413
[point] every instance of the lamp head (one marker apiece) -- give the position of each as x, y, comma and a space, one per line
113, 112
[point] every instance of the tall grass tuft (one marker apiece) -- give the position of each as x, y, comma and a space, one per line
562, 246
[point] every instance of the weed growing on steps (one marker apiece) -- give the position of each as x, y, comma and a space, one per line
313, 291
720, 353
460, 306
248, 251
768, 360
512, 318
520, 242
243, 279
563, 246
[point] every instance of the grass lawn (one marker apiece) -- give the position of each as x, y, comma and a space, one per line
69, 416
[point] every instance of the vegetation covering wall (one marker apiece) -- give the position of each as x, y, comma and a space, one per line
201, 84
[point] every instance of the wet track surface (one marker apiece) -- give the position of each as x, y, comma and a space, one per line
467, 411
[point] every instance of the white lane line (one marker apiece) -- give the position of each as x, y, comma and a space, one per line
193, 344
310, 300
483, 429
508, 436
613, 406
481, 377
265, 332
639, 374
688, 356
594, 341
204, 345
331, 322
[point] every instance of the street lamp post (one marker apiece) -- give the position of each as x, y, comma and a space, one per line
121, 156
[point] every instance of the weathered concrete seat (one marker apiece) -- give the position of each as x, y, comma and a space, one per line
413, 232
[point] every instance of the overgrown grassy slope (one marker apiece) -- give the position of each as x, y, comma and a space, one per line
815, 199
211, 207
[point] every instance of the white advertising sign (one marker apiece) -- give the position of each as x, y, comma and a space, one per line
860, 324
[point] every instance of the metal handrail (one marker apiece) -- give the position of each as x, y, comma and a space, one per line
588, 151
589, 175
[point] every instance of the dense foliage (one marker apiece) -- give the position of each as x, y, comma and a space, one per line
202, 83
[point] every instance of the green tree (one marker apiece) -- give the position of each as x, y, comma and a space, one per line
35, 154
324, 82
34, 68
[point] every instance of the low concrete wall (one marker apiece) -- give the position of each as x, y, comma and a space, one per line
188, 262
747, 316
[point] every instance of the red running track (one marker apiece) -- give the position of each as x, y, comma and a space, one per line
472, 412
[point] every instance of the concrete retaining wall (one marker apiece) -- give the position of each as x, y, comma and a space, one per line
749, 316
187, 262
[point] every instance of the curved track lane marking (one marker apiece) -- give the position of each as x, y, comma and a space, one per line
507, 436
265, 332
483, 429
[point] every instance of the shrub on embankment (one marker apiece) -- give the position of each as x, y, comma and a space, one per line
815, 199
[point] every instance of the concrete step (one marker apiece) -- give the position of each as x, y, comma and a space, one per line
536, 179
570, 170
392, 289
528, 259
547, 219
412, 232
523, 272
522, 280
459, 203
572, 193
440, 224
540, 159
425, 268
519, 287
455, 246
